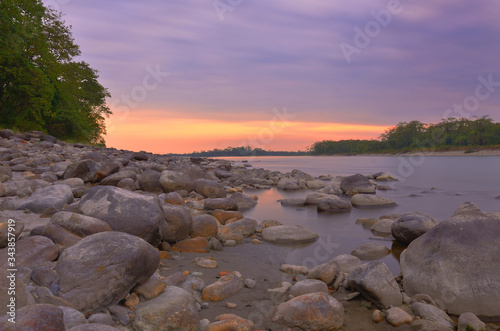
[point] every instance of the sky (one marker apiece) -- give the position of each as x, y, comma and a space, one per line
192, 75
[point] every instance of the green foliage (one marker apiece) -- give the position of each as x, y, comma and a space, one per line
241, 151
405, 137
41, 87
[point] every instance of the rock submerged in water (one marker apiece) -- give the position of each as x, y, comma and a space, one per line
356, 184
457, 263
288, 234
371, 200
410, 226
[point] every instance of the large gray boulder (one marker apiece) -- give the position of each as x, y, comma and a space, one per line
334, 204
410, 226
172, 181
457, 263
175, 310
56, 196
356, 184
125, 211
288, 234
102, 268
377, 284
85, 169
149, 181
243, 201
178, 223
209, 188
34, 318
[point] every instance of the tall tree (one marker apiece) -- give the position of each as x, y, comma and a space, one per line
41, 86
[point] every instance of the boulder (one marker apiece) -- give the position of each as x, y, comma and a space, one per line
334, 204
149, 181
410, 226
307, 286
174, 309
432, 313
32, 251
72, 317
382, 227
470, 322
85, 169
209, 188
315, 184
371, 200
114, 179
204, 226
314, 311
79, 225
125, 211
225, 215
293, 202
325, 272
243, 201
384, 176
377, 284
195, 245
34, 318
246, 227
220, 203
107, 168
172, 180
225, 287
356, 184
288, 234
457, 263
397, 317
56, 196
102, 268
178, 223
332, 189
289, 184
371, 251
346, 263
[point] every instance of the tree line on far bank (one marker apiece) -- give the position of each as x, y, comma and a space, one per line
404, 137
408, 136
41, 86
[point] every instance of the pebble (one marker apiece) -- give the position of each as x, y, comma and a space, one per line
230, 243
250, 283
206, 262
377, 316
231, 305
294, 269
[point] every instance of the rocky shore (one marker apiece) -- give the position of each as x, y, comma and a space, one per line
109, 239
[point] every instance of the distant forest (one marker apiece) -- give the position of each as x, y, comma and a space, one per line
404, 137
409, 136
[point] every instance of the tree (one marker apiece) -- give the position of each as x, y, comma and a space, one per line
41, 87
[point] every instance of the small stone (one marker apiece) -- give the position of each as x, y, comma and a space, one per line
350, 296
256, 241
150, 289
250, 283
225, 287
231, 305
294, 269
132, 301
204, 305
165, 246
165, 255
206, 262
377, 316
101, 318
230, 243
397, 316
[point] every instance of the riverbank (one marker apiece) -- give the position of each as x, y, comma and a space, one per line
92, 223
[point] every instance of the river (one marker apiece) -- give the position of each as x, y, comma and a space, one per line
436, 185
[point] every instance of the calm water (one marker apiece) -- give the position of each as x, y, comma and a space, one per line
453, 179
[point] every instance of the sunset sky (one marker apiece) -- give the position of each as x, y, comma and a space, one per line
189, 75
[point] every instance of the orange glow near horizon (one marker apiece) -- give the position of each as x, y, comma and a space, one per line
159, 134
